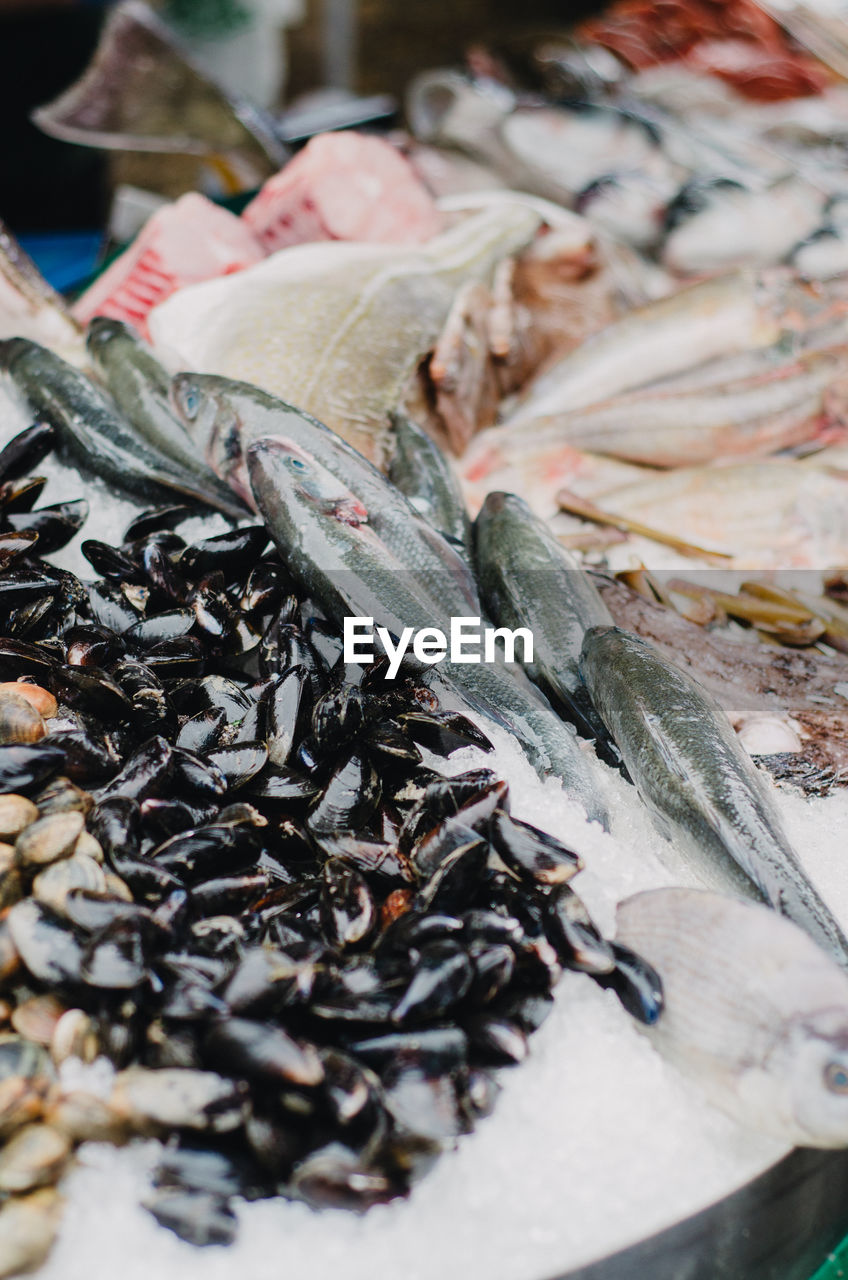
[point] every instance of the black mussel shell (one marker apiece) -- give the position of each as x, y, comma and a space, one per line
21, 497
201, 733
636, 983
531, 853
441, 979
15, 544
263, 1051
349, 799
233, 553
22, 767
348, 909
156, 519
443, 732
239, 762
26, 450
55, 525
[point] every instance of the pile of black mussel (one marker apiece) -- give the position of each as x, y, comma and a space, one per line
228, 865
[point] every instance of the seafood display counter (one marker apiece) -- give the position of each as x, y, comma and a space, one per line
424, 672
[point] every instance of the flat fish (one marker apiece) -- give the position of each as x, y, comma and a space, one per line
701, 788
338, 329
754, 1011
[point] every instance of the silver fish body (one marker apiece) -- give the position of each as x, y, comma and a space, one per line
424, 476
702, 788
224, 417
89, 426
754, 1011
140, 387
528, 580
322, 529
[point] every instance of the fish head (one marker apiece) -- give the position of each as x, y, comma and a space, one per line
816, 1065
12, 349
102, 331
213, 420
282, 462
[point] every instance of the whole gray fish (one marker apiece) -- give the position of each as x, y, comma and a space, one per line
89, 427
424, 476
528, 580
754, 1010
704, 321
224, 417
140, 387
703, 791
324, 533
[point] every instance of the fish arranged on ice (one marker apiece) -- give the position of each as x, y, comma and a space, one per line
424, 476
528, 580
701, 787
339, 329
91, 429
754, 1010
224, 417
140, 386
324, 530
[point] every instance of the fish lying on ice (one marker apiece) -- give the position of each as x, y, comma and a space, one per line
701, 787
90, 428
528, 580
140, 387
754, 1010
337, 328
323, 529
224, 417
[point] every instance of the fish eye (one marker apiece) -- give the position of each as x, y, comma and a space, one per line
836, 1077
296, 464
190, 403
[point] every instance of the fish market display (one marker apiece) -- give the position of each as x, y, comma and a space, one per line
702, 789
229, 870
527, 579
567, 360
324, 530
90, 428
753, 1010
